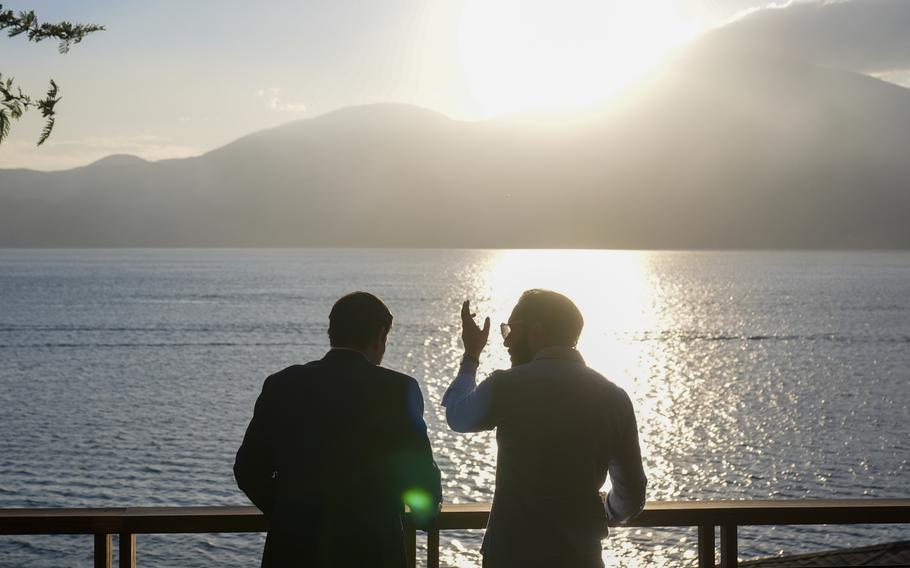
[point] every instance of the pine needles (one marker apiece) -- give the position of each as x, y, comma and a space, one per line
14, 102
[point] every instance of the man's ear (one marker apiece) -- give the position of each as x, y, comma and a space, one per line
381, 336
537, 331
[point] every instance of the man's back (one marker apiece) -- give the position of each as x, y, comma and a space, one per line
560, 426
347, 439
555, 432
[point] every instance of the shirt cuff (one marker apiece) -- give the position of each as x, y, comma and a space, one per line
464, 383
468, 363
617, 511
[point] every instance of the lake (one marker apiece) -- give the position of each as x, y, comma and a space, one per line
127, 377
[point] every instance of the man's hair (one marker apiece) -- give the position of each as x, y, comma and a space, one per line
356, 318
558, 316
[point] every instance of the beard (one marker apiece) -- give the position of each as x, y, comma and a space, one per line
520, 353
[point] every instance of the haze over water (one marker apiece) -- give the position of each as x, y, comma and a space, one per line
127, 377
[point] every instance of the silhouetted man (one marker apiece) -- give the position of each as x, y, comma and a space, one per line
560, 428
336, 446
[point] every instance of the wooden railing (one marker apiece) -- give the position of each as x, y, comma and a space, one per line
706, 515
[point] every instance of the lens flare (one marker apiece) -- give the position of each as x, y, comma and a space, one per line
418, 500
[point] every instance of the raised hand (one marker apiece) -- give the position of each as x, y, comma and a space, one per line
473, 338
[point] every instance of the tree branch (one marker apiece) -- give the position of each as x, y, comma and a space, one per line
66, 33
14, 102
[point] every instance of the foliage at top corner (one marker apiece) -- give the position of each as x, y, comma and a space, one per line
14, 102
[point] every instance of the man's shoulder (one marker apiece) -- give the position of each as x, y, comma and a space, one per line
501, 380
285, 375
320, 369
603, 383
543, 369
510, 374
395, 377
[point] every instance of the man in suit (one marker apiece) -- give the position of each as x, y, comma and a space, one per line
561, 427
336, 446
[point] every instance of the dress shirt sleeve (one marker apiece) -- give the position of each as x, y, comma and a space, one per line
418, 473
469, 405
627, 497
254, 466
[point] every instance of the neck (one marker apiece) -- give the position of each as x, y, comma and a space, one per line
368, 354
354, 349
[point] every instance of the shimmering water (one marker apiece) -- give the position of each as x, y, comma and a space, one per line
127, 377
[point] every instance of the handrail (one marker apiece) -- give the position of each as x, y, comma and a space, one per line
706, 515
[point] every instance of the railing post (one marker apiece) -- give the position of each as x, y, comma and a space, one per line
728, 547
705, 546
410, 536
433, 547
104, 551
127, 550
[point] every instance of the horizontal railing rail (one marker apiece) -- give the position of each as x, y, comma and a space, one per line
127, 522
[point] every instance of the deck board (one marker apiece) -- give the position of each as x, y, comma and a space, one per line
887, 554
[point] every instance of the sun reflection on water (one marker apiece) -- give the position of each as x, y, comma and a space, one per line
744, 380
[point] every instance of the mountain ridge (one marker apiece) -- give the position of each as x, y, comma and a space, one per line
721, 150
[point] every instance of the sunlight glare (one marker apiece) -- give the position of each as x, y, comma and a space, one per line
532, 55
612, 289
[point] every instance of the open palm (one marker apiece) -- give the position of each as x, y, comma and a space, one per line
473, 337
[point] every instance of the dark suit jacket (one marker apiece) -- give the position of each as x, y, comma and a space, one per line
332, 447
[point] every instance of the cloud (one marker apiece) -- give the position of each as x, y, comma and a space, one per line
63, 154
275, 100
867, 36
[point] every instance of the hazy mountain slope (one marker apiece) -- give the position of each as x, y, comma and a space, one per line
741, 150
724, 149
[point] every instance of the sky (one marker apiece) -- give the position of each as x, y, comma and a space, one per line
174, 79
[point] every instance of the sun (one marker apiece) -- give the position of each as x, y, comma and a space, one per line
533, 55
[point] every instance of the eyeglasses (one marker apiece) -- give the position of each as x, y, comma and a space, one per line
506, 328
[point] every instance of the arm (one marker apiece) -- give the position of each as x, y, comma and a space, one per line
420, 479
254, 466
627, 497
467, 404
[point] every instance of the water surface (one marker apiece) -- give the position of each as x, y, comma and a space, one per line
127, 377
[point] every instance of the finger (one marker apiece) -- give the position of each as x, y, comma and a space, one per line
486, 327
466, 310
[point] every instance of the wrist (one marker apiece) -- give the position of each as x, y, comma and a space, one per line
471, 357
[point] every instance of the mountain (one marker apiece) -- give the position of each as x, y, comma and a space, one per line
115, 160
722, 149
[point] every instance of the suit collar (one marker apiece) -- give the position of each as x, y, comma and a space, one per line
344, 354
558, 352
